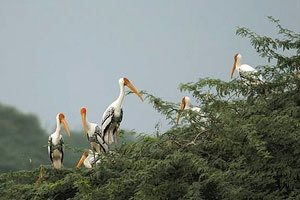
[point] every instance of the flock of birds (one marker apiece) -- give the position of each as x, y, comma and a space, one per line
102, 136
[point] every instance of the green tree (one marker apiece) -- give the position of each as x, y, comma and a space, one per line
21, 140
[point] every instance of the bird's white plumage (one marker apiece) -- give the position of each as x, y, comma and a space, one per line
90, 159
113, 115
93, 134
113, 111
196, 109
187, 106
246, 72
246, 68
56, 155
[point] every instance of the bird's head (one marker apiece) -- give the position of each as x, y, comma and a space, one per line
83, 157
126, 82
182, 107
83, 117
236, 58
61, 118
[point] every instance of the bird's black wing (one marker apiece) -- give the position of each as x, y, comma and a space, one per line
121, 116
118, 120
107, 120
50, 146
61, 145
97, 131
100, 140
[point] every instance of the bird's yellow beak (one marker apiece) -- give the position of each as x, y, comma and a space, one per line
128, 84
233, 68
83, 157
83, 117
181, 109
66, 126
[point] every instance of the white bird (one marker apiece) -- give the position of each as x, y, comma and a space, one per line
186, 105
56, 143
245, 71
89, 159
93, 134
112, 116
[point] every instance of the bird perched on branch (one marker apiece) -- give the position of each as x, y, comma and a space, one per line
187, 105
56, 143
113, 115
89, 159
246, 72
93, 134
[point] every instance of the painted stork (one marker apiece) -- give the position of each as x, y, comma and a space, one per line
112, 116
89, 159
186, 105
245, 71
93, 134
56, 143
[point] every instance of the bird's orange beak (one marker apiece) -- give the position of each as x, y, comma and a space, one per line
62, 120
83, 157
83, 117
128, 84
181, 109
66, 126
233, 68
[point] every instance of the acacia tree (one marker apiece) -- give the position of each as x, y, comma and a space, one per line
250, 144
248, 149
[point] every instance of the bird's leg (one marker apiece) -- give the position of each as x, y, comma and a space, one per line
115, 138
108, 137
107, 142
94, 153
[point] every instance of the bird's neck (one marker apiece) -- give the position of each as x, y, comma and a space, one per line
58, 127
119, 100
87, 125
188, 105
238, 64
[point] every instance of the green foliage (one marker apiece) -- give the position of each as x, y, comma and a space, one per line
248, 149
22, 139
